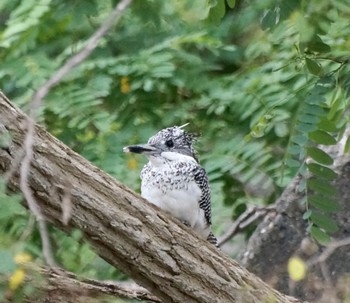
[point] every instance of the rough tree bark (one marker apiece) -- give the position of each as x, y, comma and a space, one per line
157, 251
283, 234
64, 287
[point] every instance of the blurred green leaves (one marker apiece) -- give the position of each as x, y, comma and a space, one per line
266, 84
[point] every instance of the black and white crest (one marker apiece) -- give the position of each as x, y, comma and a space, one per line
175, 139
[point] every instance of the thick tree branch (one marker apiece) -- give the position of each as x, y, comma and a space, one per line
62, 283
157, 251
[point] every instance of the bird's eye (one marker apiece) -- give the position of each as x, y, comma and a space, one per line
169, 143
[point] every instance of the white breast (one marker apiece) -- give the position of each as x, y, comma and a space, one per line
176, 193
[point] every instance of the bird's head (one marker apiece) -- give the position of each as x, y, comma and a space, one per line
172, 139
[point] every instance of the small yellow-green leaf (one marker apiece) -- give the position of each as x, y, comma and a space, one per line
231, 3
16, 279
132, 163
23, 258
296, 269
347, 145
328, 126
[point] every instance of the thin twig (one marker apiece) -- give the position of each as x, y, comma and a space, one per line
90, 45
66, 203
322, 258
29, 228
245, 219
24, 184
36, 102
331, 247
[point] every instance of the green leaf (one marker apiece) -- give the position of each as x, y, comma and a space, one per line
217, 12
7, 264
319, 235
302, 185
308, 118
305, 127
10, 206
317, 45
307, 214
294, 149
319, 156
324, 203
322, 137
347, 145
231, 3
322, 187
269, 20
324, 222
303, 169
316, 99
300, 139
292, 162
322, 171
287, 7
314, 67
328, 126
313, 109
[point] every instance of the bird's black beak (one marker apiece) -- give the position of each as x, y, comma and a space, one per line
140, 149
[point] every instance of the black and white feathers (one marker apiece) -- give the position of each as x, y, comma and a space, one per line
174, 180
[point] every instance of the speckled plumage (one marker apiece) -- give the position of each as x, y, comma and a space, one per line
174, 180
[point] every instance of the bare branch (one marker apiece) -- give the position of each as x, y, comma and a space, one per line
66, 204
91, 44
64, 281
33, 206
329, 251
244, 220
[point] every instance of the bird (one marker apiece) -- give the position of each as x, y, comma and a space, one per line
174, 180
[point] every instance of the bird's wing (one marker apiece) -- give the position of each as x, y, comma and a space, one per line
201, 178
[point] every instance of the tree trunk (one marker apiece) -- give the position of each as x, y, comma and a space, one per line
284, 235
157, 251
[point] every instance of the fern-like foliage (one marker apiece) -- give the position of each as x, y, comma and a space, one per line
317, 126
23, 18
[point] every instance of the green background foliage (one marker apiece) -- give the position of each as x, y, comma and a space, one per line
265, 83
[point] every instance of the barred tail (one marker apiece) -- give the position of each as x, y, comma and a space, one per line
212, 239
